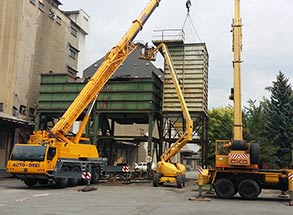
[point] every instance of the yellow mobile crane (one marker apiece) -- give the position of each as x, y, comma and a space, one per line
236, 165
53, 155
166, 170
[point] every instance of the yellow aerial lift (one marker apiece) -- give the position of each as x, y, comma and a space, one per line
166, 170
53, 155
236, 165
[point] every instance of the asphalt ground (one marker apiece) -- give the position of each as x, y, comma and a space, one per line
128, 199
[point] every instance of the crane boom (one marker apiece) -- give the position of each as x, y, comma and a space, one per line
166, 170
237, 45
187, 136
110, 65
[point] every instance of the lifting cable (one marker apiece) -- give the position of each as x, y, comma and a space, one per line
188, 17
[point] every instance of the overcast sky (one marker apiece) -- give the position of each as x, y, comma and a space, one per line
267, 37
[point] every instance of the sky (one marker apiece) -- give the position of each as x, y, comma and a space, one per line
267, 37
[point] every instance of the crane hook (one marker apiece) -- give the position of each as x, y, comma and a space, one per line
188, 5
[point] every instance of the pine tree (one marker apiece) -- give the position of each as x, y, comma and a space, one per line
279, 127
254, 120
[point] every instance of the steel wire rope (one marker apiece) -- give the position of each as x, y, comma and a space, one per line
188, 17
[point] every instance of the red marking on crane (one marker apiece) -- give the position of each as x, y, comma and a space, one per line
86, 175
238, 156
125, 169
200, 170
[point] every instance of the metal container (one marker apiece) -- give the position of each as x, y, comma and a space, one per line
191, 65
125, 94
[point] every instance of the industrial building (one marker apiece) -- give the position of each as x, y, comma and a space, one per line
36, 37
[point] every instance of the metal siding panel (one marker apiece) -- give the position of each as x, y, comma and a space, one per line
191, 65
141, 94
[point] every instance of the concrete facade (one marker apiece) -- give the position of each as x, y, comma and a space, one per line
35, 37
80, 22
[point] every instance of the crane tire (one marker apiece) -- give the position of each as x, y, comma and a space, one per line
249, 189
254, 153
224, 188
180, 181
156, 179
74, 181
96, 172
184, 180
43, 181
30, 182
62, 182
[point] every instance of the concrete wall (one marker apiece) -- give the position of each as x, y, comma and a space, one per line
135, 130
35, 37
82, 19
9, 43
32, 42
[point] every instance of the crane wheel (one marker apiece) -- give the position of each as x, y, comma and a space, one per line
224, 188
180, 181
156, 179
249, 189
74, 181
254, 153
95, 175
184, 180
30, 182
62, 182
43, 181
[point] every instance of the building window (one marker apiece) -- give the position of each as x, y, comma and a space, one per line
71, 71
1, 106
73, 52
86, 19
31, 112
41, 6
14, 111
22, 109
33, 2
58, 20
51, 14
73, 31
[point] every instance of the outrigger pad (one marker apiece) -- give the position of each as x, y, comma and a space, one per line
199, 199
87, 189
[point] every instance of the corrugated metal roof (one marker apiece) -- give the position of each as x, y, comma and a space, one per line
133, 67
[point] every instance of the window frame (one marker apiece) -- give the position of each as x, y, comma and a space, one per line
73, 31
33, 2
58, 20
41, 6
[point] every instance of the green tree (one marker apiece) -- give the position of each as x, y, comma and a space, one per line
255, 117
220, 127
279, 126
